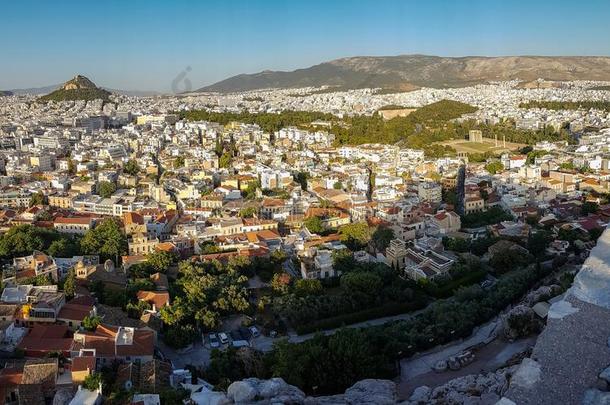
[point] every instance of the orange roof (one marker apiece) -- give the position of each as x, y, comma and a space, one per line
166, 247
103, 340
159, 299
133, 218
83, 363
72, 220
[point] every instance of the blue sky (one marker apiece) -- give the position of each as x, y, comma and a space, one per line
144, 45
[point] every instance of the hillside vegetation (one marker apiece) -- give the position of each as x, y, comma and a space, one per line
420, 129
77, 94
78, 88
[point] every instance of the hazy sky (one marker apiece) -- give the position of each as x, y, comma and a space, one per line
144, 45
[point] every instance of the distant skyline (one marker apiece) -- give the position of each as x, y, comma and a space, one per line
145, 45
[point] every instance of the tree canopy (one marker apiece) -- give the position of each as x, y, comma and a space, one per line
107, 239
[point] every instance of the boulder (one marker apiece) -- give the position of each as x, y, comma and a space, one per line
206, 397
596, 397
605, 374
420, 394
372, 391
242, 391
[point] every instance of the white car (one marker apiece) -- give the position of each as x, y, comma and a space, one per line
224, 339
213, 339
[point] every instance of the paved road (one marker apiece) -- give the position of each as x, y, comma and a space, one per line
488, 358
423, 363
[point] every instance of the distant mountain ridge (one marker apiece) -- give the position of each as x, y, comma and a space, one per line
408, 72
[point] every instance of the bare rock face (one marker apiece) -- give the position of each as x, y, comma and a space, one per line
378, 392
541, 294
277, 391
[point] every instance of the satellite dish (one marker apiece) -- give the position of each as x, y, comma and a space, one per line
109, 266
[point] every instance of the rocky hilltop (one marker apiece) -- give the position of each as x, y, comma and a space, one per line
408, 72
77, 88
277, 391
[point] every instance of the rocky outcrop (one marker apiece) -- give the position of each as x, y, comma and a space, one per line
481, 389
542, 294
277, 391
569, 363
520, 321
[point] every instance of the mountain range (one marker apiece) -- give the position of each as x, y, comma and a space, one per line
409, 72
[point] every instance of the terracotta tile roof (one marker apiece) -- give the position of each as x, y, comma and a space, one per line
159, 299
83, 363
103, 340
72, 220
133, 218
77, 309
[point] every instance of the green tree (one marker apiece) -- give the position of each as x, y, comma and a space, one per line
538, 241
178, 162
301, 178
136, 309
70, 284
314, 224
355, 235
343, 260
280, 283
456, 244
589, 207
494, 167
381, 238
224, 162
37, 199
248, 212
105, 189
305, 287
91, 322
107, 239
131, 167
93, 381
64, 247
364, 282
22, 240
160, 261
71, 167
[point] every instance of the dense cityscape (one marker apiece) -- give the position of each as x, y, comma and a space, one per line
369, 230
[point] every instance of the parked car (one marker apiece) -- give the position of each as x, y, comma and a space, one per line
240, 343
254, 331
224, 339
213, 339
